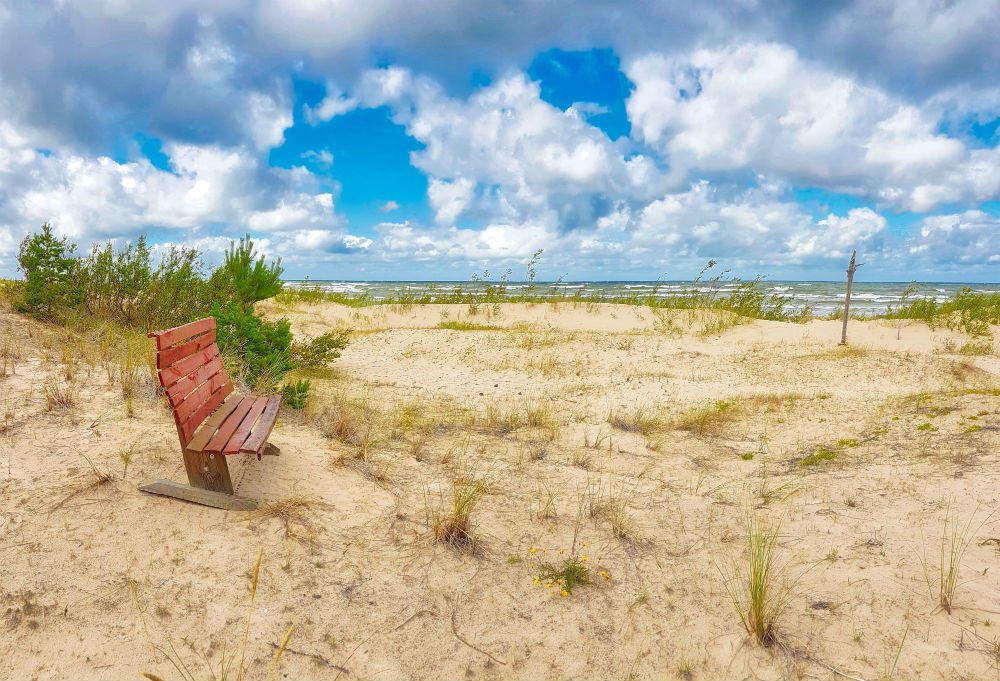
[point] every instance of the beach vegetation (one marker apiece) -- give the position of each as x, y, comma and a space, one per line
451, 519
752, 580
956, 536
50, 271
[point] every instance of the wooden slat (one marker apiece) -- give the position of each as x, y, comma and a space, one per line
241, 433
191, 425
165, 358
205, 497
191, 363
212, 423
184, 387
168, 337
262, 429
197, 399
230, 425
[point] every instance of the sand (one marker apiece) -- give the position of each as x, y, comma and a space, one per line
643, 436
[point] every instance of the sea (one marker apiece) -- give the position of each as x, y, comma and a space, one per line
820, 297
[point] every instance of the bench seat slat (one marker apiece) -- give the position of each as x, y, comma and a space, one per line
165, 358
169, 337
212, 423
262, 429
230, 425
241, 434
191, 363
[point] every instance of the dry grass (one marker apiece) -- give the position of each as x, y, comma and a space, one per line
9, 355
612, 506
87, 482
296, 513
59, 394
636, 420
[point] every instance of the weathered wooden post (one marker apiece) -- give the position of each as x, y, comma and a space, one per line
851, 269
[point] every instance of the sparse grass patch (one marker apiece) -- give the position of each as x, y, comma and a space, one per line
501, 420
636, 420
458, 325
709, 419
84, 483
612, 506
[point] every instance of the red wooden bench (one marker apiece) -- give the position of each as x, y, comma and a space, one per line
212, 420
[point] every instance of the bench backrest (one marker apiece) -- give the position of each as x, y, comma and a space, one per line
191, 372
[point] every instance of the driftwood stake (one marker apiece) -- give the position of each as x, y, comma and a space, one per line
851, 269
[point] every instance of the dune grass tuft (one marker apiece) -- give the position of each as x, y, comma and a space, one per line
751, 580
452, 522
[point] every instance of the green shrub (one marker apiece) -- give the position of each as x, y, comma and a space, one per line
296, 395
244, 279
319, 351
259, 349
50, 269
122, 286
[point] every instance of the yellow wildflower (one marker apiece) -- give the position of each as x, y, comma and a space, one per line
565, 593
532, 549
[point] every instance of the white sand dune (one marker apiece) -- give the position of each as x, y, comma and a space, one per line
638, 432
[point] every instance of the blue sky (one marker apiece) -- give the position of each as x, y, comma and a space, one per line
393, 141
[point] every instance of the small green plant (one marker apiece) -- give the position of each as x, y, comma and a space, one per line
126, 454
927, 427
259, 349
565, 576
318, 352
848, 443
747, 456
820, 456
296, 395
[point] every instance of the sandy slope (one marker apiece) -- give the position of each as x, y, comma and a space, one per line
95, 581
